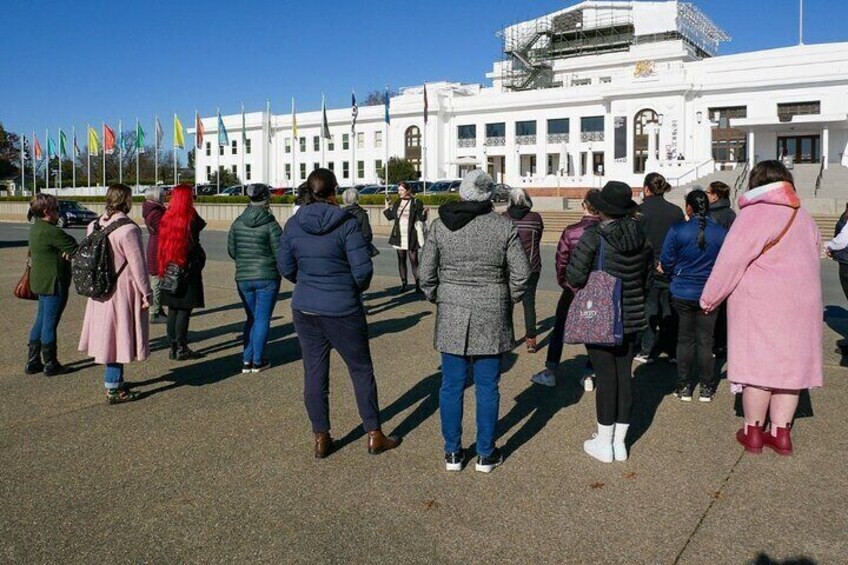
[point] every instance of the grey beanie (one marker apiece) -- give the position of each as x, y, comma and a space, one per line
477, 186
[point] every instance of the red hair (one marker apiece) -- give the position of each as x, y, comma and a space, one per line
175, 229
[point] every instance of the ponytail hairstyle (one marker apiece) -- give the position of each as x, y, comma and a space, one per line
699, 203
175, 229
656, 183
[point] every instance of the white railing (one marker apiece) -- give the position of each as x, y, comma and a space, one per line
695, 173
471, 142
495, 141
525, 140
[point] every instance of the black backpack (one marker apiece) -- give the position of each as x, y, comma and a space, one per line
92, 268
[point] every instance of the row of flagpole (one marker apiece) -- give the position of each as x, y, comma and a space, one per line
109, 144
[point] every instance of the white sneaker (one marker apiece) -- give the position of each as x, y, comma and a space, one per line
618, 448
600, 446
588, 383
544, 378
641, 358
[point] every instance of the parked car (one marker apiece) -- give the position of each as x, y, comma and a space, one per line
71, 213
237, 190
501, 193
205, 190
416, 186
444, 186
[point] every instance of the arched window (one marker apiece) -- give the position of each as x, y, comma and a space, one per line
643, 126
412, 146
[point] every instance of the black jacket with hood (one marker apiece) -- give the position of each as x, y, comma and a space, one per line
627, 256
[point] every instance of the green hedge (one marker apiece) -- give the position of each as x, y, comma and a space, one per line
366, 200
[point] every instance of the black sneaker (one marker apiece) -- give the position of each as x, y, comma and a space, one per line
488, 464
707, 393
684, 393
261, 366
246, 368
455, 461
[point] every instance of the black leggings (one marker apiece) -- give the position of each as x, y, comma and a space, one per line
178, 325
613, 372
695, 343
413, 260
843, 278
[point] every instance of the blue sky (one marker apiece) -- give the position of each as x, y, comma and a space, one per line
66, 65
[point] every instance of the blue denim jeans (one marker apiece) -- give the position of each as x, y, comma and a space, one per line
114, 376
487, 375
259, 299
50, 308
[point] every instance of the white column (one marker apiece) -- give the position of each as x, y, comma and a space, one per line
751, 149
651, 165
825, 145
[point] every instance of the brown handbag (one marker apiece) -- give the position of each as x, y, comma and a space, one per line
22, 289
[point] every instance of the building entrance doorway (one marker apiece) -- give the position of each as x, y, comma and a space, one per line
801, 148
496, 166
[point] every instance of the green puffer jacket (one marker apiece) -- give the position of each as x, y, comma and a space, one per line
253, 242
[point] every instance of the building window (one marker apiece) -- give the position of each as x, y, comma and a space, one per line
288, 145
525, 132
412, 146
303, 170
331, 144
220, 149
302, 144
360, 169
331, 166
729, 145
378, 139
345, 141
360, 140
581, 82
247, 172
496, 134
721, 116
592, 128
785, 112
208, 169
558, 129
288, 172
644, 125
235, 170
316, 166
527, 165
378, 167
316, 143
208, 149
247, 146
466, 135
553, 164
234, 144
345, 168
606, 80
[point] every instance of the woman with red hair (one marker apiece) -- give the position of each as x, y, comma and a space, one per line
182, 257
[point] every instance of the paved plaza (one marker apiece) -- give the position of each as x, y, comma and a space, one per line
214, 466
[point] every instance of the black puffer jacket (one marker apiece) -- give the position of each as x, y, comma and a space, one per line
253, 242
627, 256
722, 213
657, 215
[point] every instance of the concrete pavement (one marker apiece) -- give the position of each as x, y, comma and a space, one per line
215, 466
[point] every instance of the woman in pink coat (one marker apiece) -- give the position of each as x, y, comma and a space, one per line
768, 270
115, 329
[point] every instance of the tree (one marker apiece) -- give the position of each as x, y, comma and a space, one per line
10, 153
399, 169
378, 97
228, 178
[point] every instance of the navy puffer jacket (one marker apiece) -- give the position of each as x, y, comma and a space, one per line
323, 252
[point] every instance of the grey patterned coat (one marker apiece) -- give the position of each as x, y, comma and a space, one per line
474, 275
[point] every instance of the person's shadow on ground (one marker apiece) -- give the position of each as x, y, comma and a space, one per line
651, 384
394, 302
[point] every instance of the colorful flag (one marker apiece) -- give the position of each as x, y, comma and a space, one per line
108, 140
386, 104
325, 126
354, 111
223, 138
198, 133
139, 138
243, 127
294, 121
157, 127
93, 141
179, 133
63, 144
122, 144
51, 148
425, 103
37, 149
76, 148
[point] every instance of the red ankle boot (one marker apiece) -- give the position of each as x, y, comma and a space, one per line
751, 438
781, 442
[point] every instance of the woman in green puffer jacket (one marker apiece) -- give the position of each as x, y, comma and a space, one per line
252, 243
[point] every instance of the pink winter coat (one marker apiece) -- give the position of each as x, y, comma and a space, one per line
774, 299
115, 330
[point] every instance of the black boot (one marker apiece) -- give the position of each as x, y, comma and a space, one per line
186, 354
52, 367
172, 355
34, 365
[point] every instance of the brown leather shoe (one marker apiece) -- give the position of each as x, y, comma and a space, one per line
323, 445
378, 442
530, 342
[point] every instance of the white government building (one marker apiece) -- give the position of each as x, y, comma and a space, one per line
599, 90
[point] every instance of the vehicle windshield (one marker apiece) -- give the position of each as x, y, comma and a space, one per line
71, 205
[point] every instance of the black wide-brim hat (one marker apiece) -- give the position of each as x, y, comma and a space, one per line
615, 199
